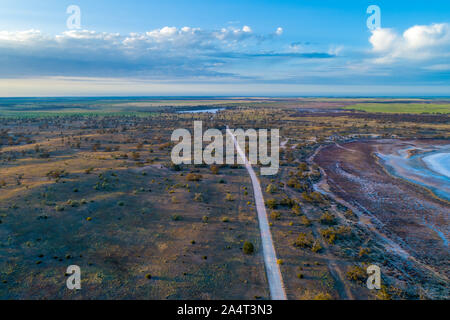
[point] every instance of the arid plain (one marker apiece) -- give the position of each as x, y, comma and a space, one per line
90, 182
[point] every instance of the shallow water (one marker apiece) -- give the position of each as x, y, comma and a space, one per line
214, 110
430, 169
439, 163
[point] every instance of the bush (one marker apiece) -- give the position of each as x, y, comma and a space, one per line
327, 218
176, 217
272, 203
305, 221
316, 247
329, 235
275, 215
225, 219
356, 273
248, 247
322, 296
271, 188
193, 177
229, 197
214, 169
296, 209
363, 251
304, 240
349, 214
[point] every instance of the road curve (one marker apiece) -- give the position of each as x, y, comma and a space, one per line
274, 277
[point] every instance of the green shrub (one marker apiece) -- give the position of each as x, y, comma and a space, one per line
248, 247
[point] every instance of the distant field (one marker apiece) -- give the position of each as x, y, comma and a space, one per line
401, 107
37, 107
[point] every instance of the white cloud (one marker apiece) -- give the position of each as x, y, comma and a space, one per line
164, 52
20, 36
420, 42
279, 31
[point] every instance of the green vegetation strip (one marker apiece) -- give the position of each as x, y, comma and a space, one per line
401, 108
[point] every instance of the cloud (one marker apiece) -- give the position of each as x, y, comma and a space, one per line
162, 53
420, 42
279, 31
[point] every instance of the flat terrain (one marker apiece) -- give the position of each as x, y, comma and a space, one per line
90, 182
402, 107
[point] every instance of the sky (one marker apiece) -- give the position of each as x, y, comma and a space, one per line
220, 48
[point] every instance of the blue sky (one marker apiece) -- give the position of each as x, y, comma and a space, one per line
224, 48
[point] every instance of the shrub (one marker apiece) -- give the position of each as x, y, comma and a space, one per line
248, 247
272, 203
305, 221
214, 169
363, 251
176, 217
349, 214
229, 197
356, 273
316, 247
329, 234
304, 240
271, 188
296, 209
205, 219
327, 218
225, 219
275, 215
322, 296
193, 177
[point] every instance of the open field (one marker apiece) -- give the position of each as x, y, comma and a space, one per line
90, 182
401, 107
